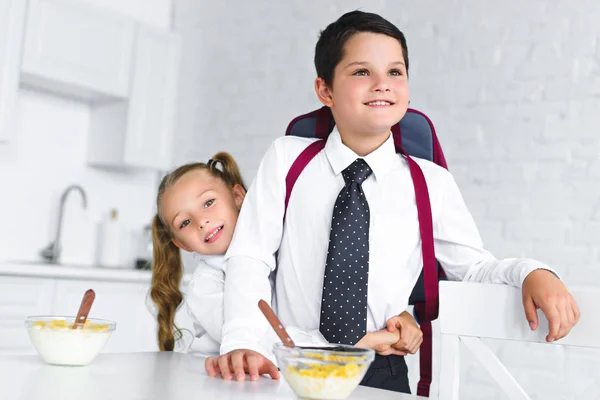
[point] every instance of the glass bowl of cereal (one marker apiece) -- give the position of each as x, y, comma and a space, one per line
323, 372
59, 343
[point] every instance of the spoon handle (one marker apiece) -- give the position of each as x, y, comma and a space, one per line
275, 323
84, 309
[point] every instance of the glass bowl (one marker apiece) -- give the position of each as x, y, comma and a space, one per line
57, 343
323, 372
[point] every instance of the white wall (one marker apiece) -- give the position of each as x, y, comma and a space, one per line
48, 153
513, 88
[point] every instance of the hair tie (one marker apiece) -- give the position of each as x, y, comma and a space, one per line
209, 163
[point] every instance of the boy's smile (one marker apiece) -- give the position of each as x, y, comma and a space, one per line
370, 91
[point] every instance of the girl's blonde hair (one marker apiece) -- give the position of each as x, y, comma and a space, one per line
167, 269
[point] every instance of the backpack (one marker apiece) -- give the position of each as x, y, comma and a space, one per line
413, 136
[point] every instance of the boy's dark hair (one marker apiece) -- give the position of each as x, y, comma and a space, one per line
330, 46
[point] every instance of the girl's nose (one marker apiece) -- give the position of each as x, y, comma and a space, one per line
203, 223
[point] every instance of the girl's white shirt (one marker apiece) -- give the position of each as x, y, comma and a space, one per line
204, 305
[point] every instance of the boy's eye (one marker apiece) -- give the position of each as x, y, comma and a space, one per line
361, 72
396, 72
185, 223
209, 203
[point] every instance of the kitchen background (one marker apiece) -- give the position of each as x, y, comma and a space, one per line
512, 87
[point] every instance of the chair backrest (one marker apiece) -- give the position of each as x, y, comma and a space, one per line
469, 312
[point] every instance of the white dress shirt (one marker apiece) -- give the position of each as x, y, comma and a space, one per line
204, 305
300, 244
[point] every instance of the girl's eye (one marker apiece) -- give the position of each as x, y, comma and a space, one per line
185, 223
361, 72
209, 203
396, 72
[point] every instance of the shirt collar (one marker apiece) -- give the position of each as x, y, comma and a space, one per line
213, 260
340, 156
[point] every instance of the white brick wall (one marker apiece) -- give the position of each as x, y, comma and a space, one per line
513, 88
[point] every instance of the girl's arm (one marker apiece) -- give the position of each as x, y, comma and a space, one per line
204, 299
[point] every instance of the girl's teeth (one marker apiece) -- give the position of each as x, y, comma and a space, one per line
212, 235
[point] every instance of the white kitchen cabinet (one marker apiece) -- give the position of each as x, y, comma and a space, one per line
21, 297
122, 302
139, 132
12, 22
77, 49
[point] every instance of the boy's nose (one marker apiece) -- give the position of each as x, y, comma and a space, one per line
203, 223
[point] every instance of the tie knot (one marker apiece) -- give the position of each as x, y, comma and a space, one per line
357, 172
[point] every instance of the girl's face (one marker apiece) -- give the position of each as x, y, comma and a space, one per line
201, 212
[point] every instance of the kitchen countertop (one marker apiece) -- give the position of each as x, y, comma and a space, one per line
142, 376
40, 269
43, 270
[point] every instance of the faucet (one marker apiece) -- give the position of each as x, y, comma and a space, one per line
51, 253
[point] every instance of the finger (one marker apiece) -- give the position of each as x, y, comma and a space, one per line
565, 317
237, 362
211, 366
398, 352
575, 309
400, 345
413, 347
272, 370
530, 312
253, 363
392, 324
553, 316
223, 362
386, 352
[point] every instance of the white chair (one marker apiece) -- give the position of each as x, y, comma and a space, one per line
471, 311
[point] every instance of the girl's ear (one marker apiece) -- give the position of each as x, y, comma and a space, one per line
239, 193
181, 245
323, 92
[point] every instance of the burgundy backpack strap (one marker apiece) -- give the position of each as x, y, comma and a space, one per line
298, 166
427, 311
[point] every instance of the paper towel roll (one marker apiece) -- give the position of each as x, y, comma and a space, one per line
110, 250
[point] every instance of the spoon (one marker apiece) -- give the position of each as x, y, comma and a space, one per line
275, 323
84, 309
287, 340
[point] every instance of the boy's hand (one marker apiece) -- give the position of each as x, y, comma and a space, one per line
381, 341
411, 335
239, 362
541, 289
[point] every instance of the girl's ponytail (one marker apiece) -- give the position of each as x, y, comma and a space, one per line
167, 272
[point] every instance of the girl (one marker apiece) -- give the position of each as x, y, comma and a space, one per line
197, 210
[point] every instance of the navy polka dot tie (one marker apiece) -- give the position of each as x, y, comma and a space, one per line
344, 305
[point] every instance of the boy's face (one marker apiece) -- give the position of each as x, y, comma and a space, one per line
370, 92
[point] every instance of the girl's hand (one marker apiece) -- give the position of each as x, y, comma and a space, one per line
381, 342
411, 335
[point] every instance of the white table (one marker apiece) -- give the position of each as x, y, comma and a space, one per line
137, 376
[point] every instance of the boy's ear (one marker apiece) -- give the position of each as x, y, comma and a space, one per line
181, 245
323, 92
239, 193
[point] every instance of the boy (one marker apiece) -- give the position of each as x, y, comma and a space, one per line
349, 254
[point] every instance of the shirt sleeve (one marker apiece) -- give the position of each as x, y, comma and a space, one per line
459, 248
204, 300
251, 255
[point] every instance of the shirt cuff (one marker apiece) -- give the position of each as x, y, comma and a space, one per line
533, 265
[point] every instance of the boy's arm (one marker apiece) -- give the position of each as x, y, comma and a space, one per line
458, 247
251, 255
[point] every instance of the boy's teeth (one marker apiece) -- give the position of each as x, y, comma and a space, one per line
379, 103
